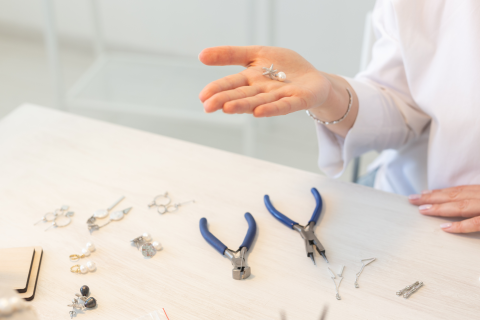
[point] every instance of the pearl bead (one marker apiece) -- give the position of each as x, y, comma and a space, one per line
91, 266
281, 76
90, 246
83, 269
16, 303
146, 237
86, 252
157, 245
5, 307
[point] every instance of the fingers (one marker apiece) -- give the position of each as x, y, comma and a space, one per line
219, 100
464, 208
229, 55
446, 195
465, 226
227, 83
281, 107
248, 105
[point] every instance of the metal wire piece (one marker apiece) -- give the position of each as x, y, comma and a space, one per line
335, 121
332, 276
400, 292
363, 266
413, 290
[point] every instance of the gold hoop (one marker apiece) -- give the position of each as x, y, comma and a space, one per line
76, 270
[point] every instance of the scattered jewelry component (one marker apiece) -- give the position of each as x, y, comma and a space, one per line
90, 247
114, 216
149, 249
340, 276
82, 301
155, 203
102, 213
413, 290
53, 214
280, 76
80, 268
400, 292
11, 305
365, 262
67, 215
172, 208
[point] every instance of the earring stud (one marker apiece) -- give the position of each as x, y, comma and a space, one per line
280, 76
81, 301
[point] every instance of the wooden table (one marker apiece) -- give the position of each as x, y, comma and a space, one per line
49, 158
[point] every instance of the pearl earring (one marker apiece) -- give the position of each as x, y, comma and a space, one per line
82, 302
11, 305
80, 268
149, 249
52, 217
90, 247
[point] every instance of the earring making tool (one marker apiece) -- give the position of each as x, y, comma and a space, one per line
239, 261
307, 232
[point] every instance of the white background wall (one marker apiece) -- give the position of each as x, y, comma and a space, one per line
327, 32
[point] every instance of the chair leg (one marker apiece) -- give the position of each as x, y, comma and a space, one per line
356, 169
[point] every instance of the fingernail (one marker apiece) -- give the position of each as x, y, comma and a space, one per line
445, 225
414, 196
424, 207
426, 191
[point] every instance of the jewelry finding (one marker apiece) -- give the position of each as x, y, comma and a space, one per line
80, 268
67, 215
172, 208
340, 276
370, 260
154, 203
280, 76
90, 247
413, 290
114, 216
400, 292
102, 213
149, 249
81, 301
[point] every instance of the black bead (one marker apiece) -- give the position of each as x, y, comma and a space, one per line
90, 303
84, 290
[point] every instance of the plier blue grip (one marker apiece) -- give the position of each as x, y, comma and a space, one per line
306, 232
238, 259
289, 222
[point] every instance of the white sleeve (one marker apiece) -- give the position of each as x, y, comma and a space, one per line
388, 117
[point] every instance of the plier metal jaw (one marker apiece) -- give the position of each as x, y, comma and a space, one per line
238, 258
307, 232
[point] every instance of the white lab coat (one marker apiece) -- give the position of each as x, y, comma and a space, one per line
419, 98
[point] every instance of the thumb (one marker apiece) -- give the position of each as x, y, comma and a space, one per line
229, 55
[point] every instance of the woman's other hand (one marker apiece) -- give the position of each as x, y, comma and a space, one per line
463, 201
251, 92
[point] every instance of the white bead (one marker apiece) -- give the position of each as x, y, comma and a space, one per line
83, 269
5, 307
146, 237
157, 245
91, 266
90, 246
281, 76
16, 303
86, 252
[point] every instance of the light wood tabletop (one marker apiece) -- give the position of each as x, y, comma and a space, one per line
50, 158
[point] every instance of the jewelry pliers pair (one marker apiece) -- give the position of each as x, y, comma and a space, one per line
238, 258
306, 232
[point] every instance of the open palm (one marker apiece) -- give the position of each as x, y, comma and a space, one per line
251, 92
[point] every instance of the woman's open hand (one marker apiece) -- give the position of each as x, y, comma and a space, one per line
463, 201
251, 92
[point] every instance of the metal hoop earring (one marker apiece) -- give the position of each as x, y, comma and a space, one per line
67, 215
161, 196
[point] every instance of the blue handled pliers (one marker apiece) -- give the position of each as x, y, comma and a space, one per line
240, 269
306, 232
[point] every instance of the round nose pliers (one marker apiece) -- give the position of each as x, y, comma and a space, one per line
240, 269
307, 232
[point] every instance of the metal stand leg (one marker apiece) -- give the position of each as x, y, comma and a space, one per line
53, 55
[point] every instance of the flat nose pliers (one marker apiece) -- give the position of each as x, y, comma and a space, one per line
307, 232
240, 269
